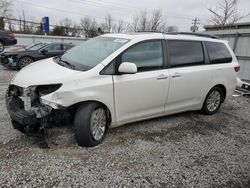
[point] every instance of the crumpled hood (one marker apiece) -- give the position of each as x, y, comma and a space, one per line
42, 73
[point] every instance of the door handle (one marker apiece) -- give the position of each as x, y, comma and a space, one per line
176, 75
162, 77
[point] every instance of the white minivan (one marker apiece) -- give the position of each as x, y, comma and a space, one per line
115, 79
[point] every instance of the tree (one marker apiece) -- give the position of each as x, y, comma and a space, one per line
108, 24
5, 7
148, 22
58, 31
225, 12
119, 27
157, 23
5, 10
143, 21
135, 23
67, 24
90, 26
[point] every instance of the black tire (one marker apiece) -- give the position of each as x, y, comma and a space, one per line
1, 46
24, 61
82, 124
209, 110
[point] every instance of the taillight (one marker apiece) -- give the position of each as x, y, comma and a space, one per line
11, 35
237, 69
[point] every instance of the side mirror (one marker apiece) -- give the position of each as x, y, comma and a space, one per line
43, 51
127, 68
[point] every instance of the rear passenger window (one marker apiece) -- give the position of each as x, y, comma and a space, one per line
218, 53
185, 53
147, 55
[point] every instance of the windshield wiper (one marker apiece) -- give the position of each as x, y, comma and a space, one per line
66, 62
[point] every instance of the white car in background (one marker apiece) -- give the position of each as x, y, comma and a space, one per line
115, 79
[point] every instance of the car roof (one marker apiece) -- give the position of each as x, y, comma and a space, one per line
170, 36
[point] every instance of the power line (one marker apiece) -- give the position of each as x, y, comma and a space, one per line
57, 9
123, 6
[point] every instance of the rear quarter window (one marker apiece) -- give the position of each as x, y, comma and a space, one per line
218, 53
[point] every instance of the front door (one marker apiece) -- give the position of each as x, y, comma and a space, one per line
143, 94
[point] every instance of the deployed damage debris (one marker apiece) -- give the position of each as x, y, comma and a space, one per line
29, 115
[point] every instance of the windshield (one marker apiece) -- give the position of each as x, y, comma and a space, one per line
36, 46
92, 52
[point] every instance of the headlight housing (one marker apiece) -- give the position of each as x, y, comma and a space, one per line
47, 89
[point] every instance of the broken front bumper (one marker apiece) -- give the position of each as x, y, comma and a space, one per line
29, 115
17, 113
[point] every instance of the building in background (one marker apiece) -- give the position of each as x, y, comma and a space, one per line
238, 36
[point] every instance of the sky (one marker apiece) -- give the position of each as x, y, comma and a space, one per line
176, 12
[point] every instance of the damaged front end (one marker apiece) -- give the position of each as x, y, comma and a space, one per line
28, 114
9, 61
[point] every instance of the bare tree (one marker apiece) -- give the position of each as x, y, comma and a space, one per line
108, 24
5, 7
68, 24
119, 27
143, 20
5, 10
133, 26
89, 25
148, 22
225, 12
157, 22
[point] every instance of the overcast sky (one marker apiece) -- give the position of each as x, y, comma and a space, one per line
177, 12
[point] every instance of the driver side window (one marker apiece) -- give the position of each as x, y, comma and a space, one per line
146, 55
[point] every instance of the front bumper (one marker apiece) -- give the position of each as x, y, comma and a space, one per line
8, 62
17, 113
30, 116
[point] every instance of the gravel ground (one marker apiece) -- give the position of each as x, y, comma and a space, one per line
184, 150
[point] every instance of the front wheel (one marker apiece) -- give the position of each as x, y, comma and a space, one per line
213, 101
90, 124
24, 61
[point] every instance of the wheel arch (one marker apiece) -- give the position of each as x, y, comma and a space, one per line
224, 90
19, 58
74, 107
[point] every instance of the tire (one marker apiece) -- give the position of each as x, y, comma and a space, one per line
213, 101
90, 120
1, 46
24, 61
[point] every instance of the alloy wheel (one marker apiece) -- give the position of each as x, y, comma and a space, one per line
98, 123
213, 101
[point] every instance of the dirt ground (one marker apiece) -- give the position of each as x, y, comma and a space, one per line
184, 150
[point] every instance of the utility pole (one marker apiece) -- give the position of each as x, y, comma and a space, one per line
195, 24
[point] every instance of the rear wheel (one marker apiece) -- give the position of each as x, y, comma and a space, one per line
1, 46
24, 61
213, 101
90, 124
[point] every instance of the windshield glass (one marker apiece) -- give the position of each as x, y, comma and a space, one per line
93, 51
36, 47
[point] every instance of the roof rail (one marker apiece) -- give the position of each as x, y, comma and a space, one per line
194, 34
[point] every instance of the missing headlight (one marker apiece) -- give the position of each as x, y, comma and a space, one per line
47, 89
